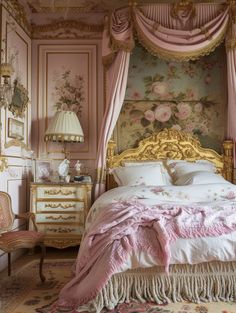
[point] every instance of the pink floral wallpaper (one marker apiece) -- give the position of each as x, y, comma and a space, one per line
189, 96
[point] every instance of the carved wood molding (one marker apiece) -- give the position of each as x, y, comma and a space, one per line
64, 29
19, 14
16, 143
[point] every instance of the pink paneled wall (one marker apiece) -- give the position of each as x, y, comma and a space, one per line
51, 61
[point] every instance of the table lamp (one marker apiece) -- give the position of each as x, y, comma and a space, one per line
65, 127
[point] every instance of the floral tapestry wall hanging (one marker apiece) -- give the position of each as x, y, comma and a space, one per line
187, 96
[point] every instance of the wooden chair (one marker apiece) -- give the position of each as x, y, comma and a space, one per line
13, 240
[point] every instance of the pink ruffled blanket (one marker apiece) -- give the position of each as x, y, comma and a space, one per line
126, 227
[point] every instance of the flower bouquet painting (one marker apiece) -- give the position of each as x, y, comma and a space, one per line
69, 91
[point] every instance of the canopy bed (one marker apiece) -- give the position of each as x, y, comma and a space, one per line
150, 240
200, 268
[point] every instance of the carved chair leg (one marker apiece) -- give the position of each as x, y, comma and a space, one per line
43, 253
9, 263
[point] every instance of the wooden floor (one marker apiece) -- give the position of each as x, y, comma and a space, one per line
51, 253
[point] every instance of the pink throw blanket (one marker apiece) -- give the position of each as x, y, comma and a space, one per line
126, 227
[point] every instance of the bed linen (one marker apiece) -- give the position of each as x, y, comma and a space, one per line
183, 251
213, 196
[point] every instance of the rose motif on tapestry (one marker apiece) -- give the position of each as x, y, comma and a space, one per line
188, 96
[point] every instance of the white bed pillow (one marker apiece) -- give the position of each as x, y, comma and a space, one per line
148, 175
178, 169
136, 163
200, 177
168, 178
171, 163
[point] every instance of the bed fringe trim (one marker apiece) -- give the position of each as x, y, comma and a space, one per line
215, 281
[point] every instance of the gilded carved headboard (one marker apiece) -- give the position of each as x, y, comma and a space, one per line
171, 144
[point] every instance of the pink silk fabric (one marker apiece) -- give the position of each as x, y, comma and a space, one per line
126, 227
117, 77
231, 75
156, 25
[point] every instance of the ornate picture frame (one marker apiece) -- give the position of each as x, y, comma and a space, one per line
15, 129
19, 101
42, 170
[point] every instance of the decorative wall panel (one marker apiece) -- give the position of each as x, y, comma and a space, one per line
17, 50
65, 71
68, 75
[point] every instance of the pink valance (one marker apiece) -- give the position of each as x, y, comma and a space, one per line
180, 45
169, 32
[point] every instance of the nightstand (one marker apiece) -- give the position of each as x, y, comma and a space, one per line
60, 211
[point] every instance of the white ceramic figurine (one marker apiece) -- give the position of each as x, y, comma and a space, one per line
78, 167
63, 168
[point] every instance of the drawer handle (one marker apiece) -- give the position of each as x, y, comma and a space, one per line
57, 192
63, 206
60, 217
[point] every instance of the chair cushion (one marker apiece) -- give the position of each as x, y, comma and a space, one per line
19, 239
6, 214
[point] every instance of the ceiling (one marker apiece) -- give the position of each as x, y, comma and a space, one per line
90, 11
78, 6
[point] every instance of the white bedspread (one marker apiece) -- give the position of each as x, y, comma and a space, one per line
191, 251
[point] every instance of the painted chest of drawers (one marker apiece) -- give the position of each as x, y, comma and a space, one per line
60, 211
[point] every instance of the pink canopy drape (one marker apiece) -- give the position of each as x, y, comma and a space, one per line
170, 31
117, 75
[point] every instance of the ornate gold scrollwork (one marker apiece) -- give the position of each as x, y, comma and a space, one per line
172, 144
60, 230
38, 31
54, 192
61, 243
183, 9
19, 14
16, 143
60, 205
60, 217
3, 164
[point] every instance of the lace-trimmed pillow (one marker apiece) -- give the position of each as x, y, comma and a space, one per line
167, 176
146, 175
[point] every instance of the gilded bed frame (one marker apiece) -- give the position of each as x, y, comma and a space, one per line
171, 144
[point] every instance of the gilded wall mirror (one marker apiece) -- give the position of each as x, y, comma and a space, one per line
19, 101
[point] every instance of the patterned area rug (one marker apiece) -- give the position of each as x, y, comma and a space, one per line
24, 293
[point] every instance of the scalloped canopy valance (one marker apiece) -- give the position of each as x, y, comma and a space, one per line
180, 32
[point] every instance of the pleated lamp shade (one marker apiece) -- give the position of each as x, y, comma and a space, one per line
64, 127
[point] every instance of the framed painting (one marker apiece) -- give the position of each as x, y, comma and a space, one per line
42, 170
15, 129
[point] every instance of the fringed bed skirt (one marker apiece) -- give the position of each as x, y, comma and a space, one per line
214, 281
